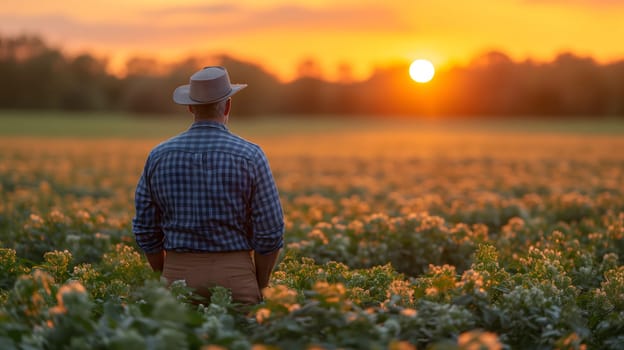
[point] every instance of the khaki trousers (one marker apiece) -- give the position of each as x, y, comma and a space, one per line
202, 271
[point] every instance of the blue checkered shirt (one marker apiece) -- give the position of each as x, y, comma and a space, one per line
207, 190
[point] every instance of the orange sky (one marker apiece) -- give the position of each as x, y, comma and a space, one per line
279, 34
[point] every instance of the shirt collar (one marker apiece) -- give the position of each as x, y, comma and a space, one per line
208, 124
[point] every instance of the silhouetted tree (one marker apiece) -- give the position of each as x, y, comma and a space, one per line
263, 93
615, 85
37, 76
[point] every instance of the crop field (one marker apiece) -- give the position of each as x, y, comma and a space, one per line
398, 236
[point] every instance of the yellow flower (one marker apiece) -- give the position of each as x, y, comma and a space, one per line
83, 215
431, 291
332, 293
261, 347
35, 221
315, 347
263, 314
213, 347
69, 288
478, 340
401, 345
294, 307
280, 294
409, 312
401, 288
317, 234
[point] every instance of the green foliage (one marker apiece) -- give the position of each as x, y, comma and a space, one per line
409, 243
396, 251
10, 268
57, 264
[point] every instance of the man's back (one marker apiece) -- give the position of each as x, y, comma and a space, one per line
213, 193
207, 208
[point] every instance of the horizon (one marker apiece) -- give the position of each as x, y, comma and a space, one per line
163, 67
352, 38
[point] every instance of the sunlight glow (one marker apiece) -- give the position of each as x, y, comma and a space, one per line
421, 71
255, 31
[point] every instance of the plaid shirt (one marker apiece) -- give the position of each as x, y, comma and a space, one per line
207, 190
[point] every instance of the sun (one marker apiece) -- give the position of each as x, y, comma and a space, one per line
421, 71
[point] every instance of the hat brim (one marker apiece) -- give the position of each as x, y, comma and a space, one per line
181, 95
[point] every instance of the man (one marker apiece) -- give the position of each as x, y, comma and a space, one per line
207, 207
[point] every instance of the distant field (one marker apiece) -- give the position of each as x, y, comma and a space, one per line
119, 125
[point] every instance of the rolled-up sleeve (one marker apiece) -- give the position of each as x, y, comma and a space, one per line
267, 215
146, 223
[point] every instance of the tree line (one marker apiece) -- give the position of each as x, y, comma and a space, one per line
35, 75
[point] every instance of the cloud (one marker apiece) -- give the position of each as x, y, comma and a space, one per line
369, 18
194, 10
293, 17
136, 33
180, 24
71, 30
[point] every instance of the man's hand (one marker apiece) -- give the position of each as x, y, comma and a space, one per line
264, 267
156, 260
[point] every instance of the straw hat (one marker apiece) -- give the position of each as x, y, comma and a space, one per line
209, 85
